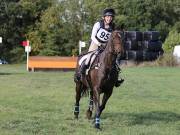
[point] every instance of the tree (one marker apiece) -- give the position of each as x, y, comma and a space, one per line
173, 38
54, 27
17, 17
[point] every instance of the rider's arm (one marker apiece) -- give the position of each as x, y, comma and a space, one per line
94, 32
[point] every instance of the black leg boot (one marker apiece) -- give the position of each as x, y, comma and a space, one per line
119, 80
82, 71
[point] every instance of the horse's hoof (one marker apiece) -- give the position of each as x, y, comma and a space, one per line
76, 115
97, 126
89, 114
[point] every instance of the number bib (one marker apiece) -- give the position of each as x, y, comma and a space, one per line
103, 35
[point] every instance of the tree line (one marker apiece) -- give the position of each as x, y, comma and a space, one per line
54, 27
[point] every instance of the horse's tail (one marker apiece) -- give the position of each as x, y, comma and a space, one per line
76, 71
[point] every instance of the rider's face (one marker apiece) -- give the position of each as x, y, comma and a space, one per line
108, 19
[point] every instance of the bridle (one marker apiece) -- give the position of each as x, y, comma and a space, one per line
116, 42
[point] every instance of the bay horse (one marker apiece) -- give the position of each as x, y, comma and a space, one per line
101, 78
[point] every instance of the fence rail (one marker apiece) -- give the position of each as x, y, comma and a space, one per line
51, 62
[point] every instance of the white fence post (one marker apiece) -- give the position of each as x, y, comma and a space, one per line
81, 44
27, 50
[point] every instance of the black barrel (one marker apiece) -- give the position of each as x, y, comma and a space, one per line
131, 45
150, 56
153, 46
134, 35
151, 35
134, 55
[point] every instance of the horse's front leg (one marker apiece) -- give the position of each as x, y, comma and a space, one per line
104, 101
97, 107
78, 96
90, 108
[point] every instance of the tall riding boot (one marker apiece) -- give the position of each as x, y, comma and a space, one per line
81, 72
83, 69
119, 80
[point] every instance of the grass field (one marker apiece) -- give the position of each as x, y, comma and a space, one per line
41, 103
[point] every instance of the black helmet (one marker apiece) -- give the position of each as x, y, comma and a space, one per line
109, 12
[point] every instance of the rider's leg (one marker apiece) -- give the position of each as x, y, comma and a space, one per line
80, 72
93, 46
87, 62
119, 79
84, 66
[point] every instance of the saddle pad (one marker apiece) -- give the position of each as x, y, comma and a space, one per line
87, 56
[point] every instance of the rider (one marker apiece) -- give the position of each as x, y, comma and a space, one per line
100, 34
102, 29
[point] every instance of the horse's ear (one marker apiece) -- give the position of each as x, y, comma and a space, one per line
120, 27
119, 34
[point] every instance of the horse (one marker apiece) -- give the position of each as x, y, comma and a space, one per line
100, 79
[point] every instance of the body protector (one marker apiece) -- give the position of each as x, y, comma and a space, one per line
103, 34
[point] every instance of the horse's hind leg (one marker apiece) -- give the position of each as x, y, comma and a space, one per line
78, 96
90, 108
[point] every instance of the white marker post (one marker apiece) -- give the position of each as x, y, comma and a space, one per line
0, 40
27, 50
81, 44
176, 53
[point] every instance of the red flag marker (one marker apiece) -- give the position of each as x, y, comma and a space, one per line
25, 43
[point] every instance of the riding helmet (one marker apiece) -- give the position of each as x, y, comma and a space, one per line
109, 12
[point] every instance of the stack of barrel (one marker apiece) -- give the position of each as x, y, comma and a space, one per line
142, 46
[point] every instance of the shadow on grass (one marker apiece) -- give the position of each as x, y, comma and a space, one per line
5, 73
11, 73
146, 118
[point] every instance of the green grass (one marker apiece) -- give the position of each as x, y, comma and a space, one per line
41, 103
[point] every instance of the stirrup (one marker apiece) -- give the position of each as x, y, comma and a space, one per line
118, 68
119, 82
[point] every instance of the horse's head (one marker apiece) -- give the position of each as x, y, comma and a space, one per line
117, 42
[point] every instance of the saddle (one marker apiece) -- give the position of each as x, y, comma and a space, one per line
86, 63
87, 60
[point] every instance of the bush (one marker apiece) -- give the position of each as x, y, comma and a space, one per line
166, 60
173, 38
17, 55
